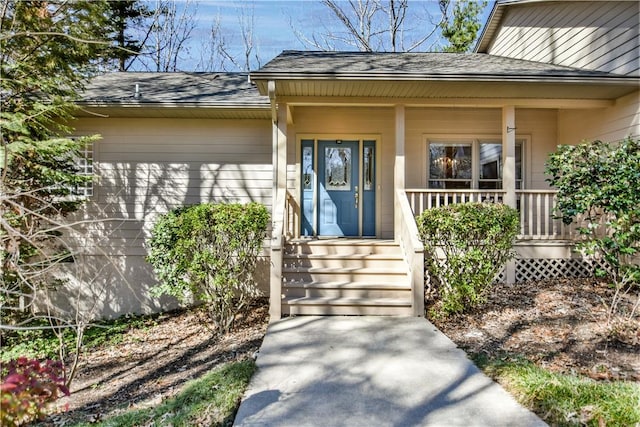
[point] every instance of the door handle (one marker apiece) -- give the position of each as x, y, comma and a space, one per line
357, 196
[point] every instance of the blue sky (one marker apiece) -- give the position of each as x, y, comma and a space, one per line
273, 30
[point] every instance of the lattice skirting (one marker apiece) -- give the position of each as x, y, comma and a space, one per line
529, 269
532, 269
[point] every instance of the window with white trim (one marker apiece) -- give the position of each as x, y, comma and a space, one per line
84, 163
469, 163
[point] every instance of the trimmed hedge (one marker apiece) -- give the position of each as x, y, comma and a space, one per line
466, 246
209, 252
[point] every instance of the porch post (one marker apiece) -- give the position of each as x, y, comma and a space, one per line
398, 168
509, 171
282, 148
509, 155
279, 164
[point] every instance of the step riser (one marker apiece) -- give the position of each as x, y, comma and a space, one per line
302, 249
326, 310
347, 293
343, 263
306, 277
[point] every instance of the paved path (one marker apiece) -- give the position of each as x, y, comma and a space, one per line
374, 372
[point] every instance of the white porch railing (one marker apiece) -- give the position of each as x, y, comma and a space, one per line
291, 217
536, 209
537, 220
422, 199
413, 249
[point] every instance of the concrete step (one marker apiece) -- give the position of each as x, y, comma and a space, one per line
347, 306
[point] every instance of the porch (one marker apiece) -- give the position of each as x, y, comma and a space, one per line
314, 273
439, 129
386, 277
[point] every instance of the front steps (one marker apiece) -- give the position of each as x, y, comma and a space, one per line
345, 277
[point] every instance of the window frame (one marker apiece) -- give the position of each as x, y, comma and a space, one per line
86, 167
475, 140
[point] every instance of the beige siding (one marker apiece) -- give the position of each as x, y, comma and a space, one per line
146, 167
541, 126
597, 35
610, 124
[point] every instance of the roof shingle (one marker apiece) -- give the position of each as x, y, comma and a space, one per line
217, 89
376, 64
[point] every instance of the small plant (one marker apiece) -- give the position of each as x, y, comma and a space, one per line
466, 246
28, 387
209, 252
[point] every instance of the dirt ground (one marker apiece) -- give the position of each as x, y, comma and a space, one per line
558, 324
153, 363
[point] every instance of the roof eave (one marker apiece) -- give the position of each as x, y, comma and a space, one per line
262, 77
140, 104
488, 30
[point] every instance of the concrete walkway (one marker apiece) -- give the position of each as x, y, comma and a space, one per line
371, 371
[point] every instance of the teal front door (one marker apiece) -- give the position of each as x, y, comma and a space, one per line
338, 188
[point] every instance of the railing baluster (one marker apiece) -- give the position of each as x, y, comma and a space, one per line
536, 208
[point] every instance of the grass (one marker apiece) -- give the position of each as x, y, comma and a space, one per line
565, 400
211, 400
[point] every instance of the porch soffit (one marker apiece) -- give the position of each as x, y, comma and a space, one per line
448, 93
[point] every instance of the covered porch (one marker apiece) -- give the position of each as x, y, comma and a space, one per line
437, 140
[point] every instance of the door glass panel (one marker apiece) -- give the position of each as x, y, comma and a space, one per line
337, 168
307, 167
368, 168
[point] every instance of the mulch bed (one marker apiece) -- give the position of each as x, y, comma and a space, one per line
559, 324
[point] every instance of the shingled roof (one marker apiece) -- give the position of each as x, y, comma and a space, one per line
387, 65
177, 89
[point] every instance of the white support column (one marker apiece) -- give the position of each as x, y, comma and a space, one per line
271, 88
509, 170
398, 167
509, 154
279, 160
282, 147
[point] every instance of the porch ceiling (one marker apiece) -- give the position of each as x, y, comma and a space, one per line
427, 92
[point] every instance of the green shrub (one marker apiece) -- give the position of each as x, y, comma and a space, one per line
466, 246
27, 388
209, 252
601, 183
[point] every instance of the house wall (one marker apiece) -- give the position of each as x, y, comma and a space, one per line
608, 124
146, 167
596, 35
